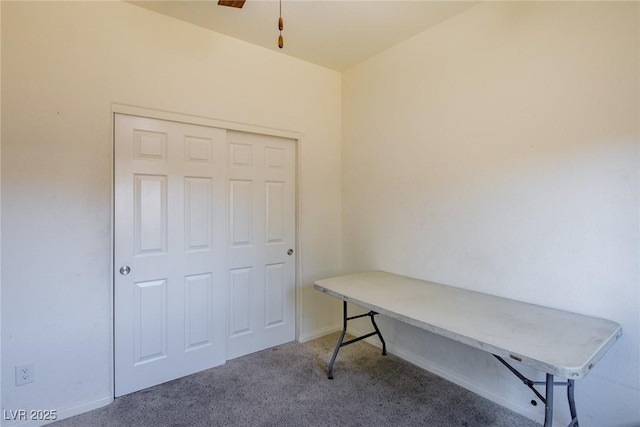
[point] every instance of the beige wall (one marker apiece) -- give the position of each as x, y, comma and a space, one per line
498, 152
63, 65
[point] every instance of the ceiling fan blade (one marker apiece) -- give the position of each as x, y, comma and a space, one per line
232, 3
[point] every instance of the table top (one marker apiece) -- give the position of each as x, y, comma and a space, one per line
554, 341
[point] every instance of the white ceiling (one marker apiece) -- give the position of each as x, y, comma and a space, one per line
333, 33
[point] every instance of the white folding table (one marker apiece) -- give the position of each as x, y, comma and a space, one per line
556, 342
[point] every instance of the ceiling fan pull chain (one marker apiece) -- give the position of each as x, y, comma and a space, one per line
280, 27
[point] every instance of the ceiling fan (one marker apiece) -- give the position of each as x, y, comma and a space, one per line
239, 3
232, 3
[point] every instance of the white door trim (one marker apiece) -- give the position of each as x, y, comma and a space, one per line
204, 121
117, 108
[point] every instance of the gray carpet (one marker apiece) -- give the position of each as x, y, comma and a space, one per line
287, 386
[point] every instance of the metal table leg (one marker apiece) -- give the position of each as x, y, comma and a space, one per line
572, 404
548, 404
548, 398
340, 342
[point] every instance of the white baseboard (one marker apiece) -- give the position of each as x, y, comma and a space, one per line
85, 407
319, 333
60, 413
450, 376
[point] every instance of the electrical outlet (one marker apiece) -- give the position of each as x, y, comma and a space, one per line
25, 374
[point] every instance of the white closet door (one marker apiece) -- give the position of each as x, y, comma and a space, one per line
169, 256
261, 259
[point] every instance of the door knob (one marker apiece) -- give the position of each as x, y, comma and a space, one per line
290, 252
124, 270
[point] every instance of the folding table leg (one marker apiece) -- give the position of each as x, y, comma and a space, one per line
377, 332
572, 404
548, 404
548, 399
341, 342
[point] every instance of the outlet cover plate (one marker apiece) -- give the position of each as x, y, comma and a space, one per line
25, 374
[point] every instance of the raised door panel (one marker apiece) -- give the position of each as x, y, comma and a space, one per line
198, 219
240, 298
198, 311
275, 301
275, 220
150, 227
150, 321
241, 212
